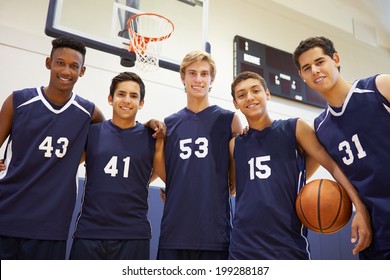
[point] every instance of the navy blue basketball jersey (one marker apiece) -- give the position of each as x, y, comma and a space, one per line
38, 188
270, 170
197, 209
357, 137
119, 164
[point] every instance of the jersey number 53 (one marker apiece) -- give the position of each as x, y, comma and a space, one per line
201, 151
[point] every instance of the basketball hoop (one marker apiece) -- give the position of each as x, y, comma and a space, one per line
147, 31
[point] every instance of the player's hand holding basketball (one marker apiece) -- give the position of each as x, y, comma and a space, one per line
325, 207
361, 235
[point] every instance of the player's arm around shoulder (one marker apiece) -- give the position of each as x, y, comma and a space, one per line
97, 116
6, 118
361, 224
383, 85
158, 126
232, 168
236, 126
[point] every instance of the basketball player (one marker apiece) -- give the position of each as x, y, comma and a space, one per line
355, 130
196, 217
268, 170
120, 157
47, 129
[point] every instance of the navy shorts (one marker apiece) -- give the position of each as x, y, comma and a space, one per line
100, 249
180, 254
15, 248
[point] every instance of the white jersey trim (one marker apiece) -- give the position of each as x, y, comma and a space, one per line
40, 97
32, 100
80, 107
386, 107
327, 113
352, 90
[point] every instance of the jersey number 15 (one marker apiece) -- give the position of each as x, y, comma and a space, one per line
258, 168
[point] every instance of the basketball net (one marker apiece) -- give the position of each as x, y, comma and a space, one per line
147, 31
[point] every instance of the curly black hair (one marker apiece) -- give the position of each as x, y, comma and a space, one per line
68, 42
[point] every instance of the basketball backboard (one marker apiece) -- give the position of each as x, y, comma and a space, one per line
102, 26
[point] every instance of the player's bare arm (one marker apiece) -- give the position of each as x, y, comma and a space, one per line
361, 225
383, 85
83, 156
236, 130
311, 166
232, 170
97, 116
159, 165
236, 126
6, 117
159, 161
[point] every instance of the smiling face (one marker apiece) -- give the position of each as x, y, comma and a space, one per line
126, 101
197, 79
66, 66
318, 70
250, 97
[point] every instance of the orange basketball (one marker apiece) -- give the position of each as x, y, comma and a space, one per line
323, 206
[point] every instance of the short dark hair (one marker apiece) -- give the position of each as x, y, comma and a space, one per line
322, 42
127, 76
68, 42
245, 76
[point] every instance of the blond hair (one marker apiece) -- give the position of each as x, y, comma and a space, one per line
196, 56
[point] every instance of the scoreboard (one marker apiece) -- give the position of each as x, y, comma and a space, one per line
277, 68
